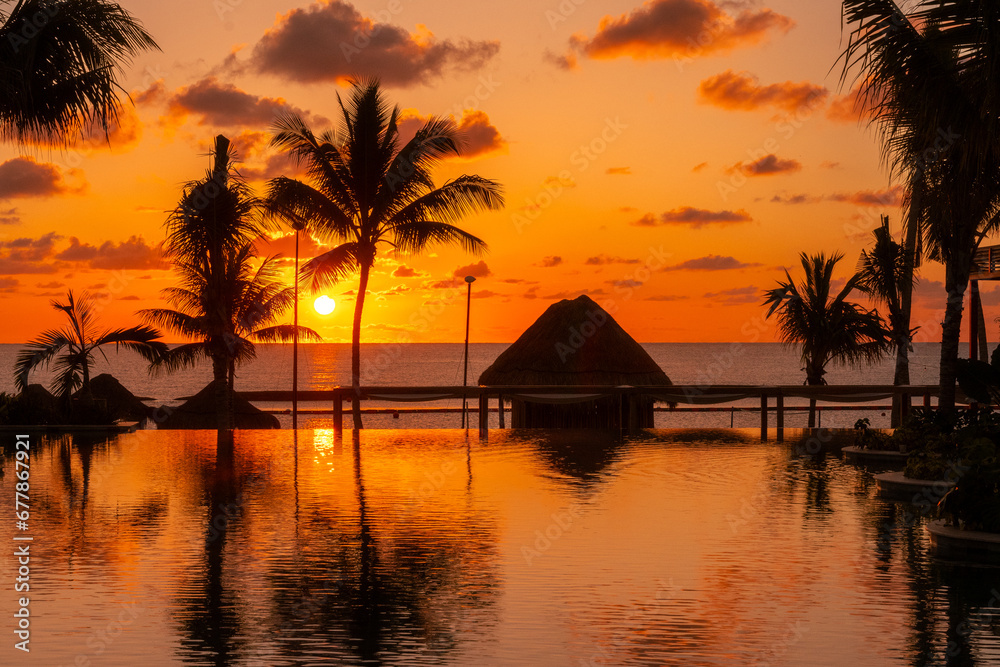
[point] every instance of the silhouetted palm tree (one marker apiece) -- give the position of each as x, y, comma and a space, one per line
59, 66
886, 275
222, 302
929, 84
366, 191
830, 329
73, 347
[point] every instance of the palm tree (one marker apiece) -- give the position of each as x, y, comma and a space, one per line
367, 191
73, 347
224, 314
886, 275
929, 85
829, 329
59, 66
221, 302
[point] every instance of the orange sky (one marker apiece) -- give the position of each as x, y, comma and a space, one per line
666, 157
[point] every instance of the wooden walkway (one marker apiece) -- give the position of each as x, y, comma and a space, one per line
770, 398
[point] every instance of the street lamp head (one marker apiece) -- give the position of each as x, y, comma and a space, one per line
470, 279
298, 225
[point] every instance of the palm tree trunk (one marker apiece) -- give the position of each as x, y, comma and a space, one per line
814, 376
956, 280
231, 394
356, 346
219, 386
910, 258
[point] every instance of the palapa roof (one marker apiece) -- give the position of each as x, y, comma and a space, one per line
198, 412
574, 342
121, 403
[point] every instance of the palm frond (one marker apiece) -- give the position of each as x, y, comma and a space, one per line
60, 77
331, 267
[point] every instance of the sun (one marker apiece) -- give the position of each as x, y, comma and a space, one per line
324, 305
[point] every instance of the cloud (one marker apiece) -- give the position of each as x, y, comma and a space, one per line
618, 171
403, 271
577, 293
134, 253
888, 197
219, 104
693, 217
27, 255
478, 135
769, 165
55, 284
550, 261
796, 199
332, 41
477, 270
699, 167
677, 29
736, 295
9, 284
23, 177
602, 260
449, 283
665, 297
283, 247
9, 217
846, 108
629, 282
712, 263
742, 92
485, 294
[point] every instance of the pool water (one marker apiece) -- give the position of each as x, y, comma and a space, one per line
431, 548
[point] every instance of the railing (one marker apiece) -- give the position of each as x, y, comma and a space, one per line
674, 394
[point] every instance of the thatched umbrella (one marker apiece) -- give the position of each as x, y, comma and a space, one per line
577, 343
120, 403
199, 412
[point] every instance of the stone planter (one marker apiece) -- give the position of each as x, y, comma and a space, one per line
874, 456
897, 486
957, 544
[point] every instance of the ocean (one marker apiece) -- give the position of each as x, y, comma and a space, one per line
326, 365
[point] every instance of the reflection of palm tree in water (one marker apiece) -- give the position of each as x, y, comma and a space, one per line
366, 624
211, 620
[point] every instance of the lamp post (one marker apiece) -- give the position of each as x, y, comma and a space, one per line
297, 226
465, 375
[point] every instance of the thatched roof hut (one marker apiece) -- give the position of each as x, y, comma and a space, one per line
119, 402
577, 343
198, 412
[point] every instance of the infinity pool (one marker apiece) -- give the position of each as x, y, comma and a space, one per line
430, 548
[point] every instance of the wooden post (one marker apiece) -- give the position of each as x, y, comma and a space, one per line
484, 416
974, 319
780, 409
927, 399
500, 404
763, 417
338, 412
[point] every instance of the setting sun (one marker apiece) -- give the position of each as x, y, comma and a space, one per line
324, 305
